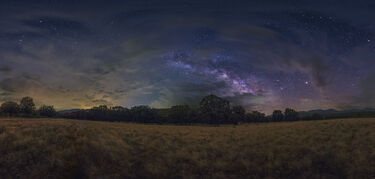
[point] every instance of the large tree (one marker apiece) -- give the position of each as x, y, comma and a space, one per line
10, 108
144, 114
47, 111
119, 113
277, 115
27, 105
99, 113
238, 114
291, 114
181, 114
214, 109
256, 116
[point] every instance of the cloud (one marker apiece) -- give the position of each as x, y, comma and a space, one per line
318, 70
18, 84
366, 97
58, 26
167, 53
5, 69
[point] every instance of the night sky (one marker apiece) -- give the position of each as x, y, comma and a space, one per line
261, 54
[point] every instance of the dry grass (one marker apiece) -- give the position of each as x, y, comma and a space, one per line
60, 148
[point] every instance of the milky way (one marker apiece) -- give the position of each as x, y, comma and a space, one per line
263, 55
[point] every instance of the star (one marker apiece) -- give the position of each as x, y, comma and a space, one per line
281, 55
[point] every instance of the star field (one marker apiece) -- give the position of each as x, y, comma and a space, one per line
263, 55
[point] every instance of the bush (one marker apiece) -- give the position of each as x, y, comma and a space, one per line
238, 114
277, 115
27, 105
181, 114
214, 110
144, 114
256, 116
47, 111
317, 116
119, 113
99, 113
10, 108
291, 115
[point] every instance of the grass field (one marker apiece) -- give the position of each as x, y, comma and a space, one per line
61, 148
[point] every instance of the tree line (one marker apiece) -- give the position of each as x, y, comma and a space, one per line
26, 108
211, 110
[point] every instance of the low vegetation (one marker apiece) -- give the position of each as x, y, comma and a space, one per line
212, 110
63, 148
26, 108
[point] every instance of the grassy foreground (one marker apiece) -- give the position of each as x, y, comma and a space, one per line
61, 148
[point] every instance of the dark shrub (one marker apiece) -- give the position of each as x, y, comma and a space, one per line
10, 108
144, 114
214, 110
27, 105
47, 111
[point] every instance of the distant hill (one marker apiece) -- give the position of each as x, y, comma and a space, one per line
161, 111
70, 111
334, 111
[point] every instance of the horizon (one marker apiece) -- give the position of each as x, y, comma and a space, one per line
315, 111
263, 55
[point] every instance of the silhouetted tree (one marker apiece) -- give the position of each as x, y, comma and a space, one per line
80, 114
98, 113
10, 108
47, 111
144, 114
317, 116
238, 114
27, 105
277, 115
119, 113
214, 109
181, 114
256, 116
290, 114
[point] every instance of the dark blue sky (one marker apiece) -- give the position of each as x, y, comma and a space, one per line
263, 55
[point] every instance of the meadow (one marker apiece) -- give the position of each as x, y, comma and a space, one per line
63, 148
